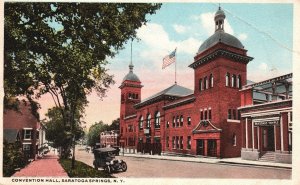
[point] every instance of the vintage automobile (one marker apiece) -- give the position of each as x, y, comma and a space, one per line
105, 158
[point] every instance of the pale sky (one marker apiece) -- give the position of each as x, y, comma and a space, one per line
266, 31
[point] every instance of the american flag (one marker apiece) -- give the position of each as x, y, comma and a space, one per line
169, 59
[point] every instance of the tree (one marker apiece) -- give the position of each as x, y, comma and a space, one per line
62, 49
93, 136
58, 134
115, 125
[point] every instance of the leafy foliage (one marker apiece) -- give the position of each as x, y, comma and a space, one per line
60, 135
93, 136
82, 170
13, 158
61, 48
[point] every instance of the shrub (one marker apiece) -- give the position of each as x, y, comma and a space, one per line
13, 158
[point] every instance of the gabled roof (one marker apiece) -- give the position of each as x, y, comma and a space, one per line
174, 91
205, 126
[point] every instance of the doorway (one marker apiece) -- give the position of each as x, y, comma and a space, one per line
212, 148
268, 138
200, 147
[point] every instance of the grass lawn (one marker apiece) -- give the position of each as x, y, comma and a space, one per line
82, 170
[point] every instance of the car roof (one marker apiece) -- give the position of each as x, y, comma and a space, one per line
105, 150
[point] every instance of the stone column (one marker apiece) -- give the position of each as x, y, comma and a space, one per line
281, 134
252, 131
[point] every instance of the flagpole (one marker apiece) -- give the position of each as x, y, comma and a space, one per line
175, 72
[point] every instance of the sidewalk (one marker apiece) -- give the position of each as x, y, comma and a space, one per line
226, 161
48, 166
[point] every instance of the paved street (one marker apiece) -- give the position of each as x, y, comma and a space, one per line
141, 167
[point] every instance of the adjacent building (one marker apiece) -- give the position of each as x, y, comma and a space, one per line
22, 126
266, 119
109, 138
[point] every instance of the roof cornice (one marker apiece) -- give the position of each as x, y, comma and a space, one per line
224, 53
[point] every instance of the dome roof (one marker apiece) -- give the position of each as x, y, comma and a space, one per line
220, 36
220, 12
131, 77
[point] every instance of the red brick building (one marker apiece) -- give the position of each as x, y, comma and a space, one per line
266, 118
204, 121
22, 126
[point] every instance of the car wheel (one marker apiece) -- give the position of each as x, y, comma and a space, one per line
107, 169
124, 166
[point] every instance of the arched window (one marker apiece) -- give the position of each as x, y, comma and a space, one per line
200, 85
141, 122
174, 121
233, 81
211, 81
181, 120
227, 79
205, 83
149, 120
157, 120
137, 96
129, 96
177, 121
239, 82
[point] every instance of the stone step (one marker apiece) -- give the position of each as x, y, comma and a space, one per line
268, 156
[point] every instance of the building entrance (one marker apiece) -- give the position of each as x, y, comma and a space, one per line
200, 147
212, 148
268, 138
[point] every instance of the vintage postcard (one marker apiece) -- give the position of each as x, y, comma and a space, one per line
150, 92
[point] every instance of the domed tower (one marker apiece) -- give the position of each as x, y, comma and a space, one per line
130, 93
220, 70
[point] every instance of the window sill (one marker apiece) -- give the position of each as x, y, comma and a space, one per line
233, 120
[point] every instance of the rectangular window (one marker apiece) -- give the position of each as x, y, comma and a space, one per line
177, 142
209, 114
181, 142
201, 113
189, 142
189, 121
173, 142
27, 134
130, 128
26, 147
200, 85
167, 141
205, 114
229, 113
233, 114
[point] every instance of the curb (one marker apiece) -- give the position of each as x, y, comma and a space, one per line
254, 165
219, 162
